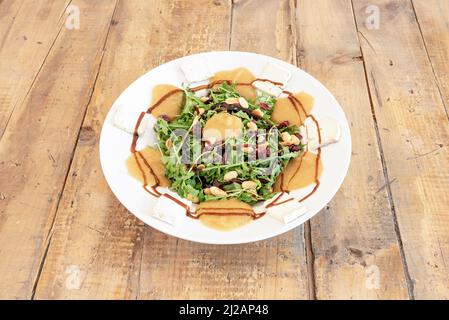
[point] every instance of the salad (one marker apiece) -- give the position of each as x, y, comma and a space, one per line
224, 146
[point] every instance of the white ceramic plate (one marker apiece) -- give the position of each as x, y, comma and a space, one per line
115, 143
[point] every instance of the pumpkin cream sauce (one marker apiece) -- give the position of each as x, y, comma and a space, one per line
239, 75
146, 166
225, 215
299, 173
222, 125
166, 100
287, 109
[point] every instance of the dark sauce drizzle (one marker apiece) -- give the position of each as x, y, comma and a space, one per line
242, 212
153, 189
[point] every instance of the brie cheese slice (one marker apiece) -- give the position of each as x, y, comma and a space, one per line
169, 210
126, 119
196, 69
276, 73
268, 88
294, 214
259, 208
149, 137
288, 211
329, 132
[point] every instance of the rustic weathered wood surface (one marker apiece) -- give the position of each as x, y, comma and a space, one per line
63, 234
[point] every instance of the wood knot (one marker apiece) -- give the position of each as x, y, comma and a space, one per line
87, 135
355, 252
346, 58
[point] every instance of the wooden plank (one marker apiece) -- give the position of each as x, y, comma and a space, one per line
272, 269
26, 37
38, 144
8, 13
263, 27
108, 262
433, 19
414, 132
353, 238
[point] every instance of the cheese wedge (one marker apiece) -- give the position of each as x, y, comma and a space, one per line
149, 137
276, 73
259, 208
169, 210
329, 130
268, 88
195, 69
126, 119
285, 212
294, 214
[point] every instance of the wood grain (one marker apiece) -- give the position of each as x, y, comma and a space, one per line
28, 35
353, 238
433, 21
414, 132
8, 13
37, 147
178, 269
64, 235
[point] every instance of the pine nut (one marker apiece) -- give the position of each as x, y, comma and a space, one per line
215, 191
249, 185
232, 100
258, 113
243, 103
252, 126
295, 140
286, 137
230, 175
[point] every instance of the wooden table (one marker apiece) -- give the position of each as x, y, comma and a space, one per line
63, 234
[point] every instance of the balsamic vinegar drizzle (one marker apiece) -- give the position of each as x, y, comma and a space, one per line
275, 201
153, 189
241, 211
162, 99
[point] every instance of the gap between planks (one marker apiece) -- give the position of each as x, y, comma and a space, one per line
231, 16
409, 281
310, 256
50, 232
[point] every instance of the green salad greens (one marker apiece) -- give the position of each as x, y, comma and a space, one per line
243, 166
